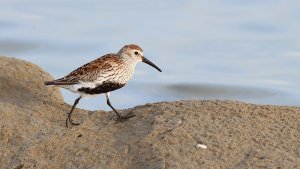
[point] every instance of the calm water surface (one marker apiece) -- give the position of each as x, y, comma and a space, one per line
231, 49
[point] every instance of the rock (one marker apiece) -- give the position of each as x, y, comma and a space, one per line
162, 135
22, 82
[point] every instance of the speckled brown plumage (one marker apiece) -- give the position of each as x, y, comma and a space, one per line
132, 46
90, 71
103, 75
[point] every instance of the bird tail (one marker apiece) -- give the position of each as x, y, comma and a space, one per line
62, 82
59, 82
50, 83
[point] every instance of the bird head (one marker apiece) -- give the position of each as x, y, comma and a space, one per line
135, 53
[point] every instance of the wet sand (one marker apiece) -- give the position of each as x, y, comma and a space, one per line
162, 135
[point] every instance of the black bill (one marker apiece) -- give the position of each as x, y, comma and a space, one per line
145, 60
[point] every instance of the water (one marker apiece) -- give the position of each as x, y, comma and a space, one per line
231, 49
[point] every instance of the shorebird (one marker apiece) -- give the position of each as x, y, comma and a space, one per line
102, 76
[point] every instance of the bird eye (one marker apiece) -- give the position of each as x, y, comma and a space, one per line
136, 53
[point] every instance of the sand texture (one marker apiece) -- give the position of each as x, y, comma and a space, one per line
161, 136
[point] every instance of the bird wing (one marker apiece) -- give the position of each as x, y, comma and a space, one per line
101, 67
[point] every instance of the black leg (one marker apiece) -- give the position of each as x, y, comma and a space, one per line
69, 119
120, 117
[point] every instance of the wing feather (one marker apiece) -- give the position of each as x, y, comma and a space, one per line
89, 72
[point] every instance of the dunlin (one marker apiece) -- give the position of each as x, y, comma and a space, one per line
103, 75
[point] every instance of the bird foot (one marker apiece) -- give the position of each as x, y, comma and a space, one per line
70, 121
124, 118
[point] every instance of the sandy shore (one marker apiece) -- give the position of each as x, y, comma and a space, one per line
182, 134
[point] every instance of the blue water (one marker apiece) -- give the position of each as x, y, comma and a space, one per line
218, 49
